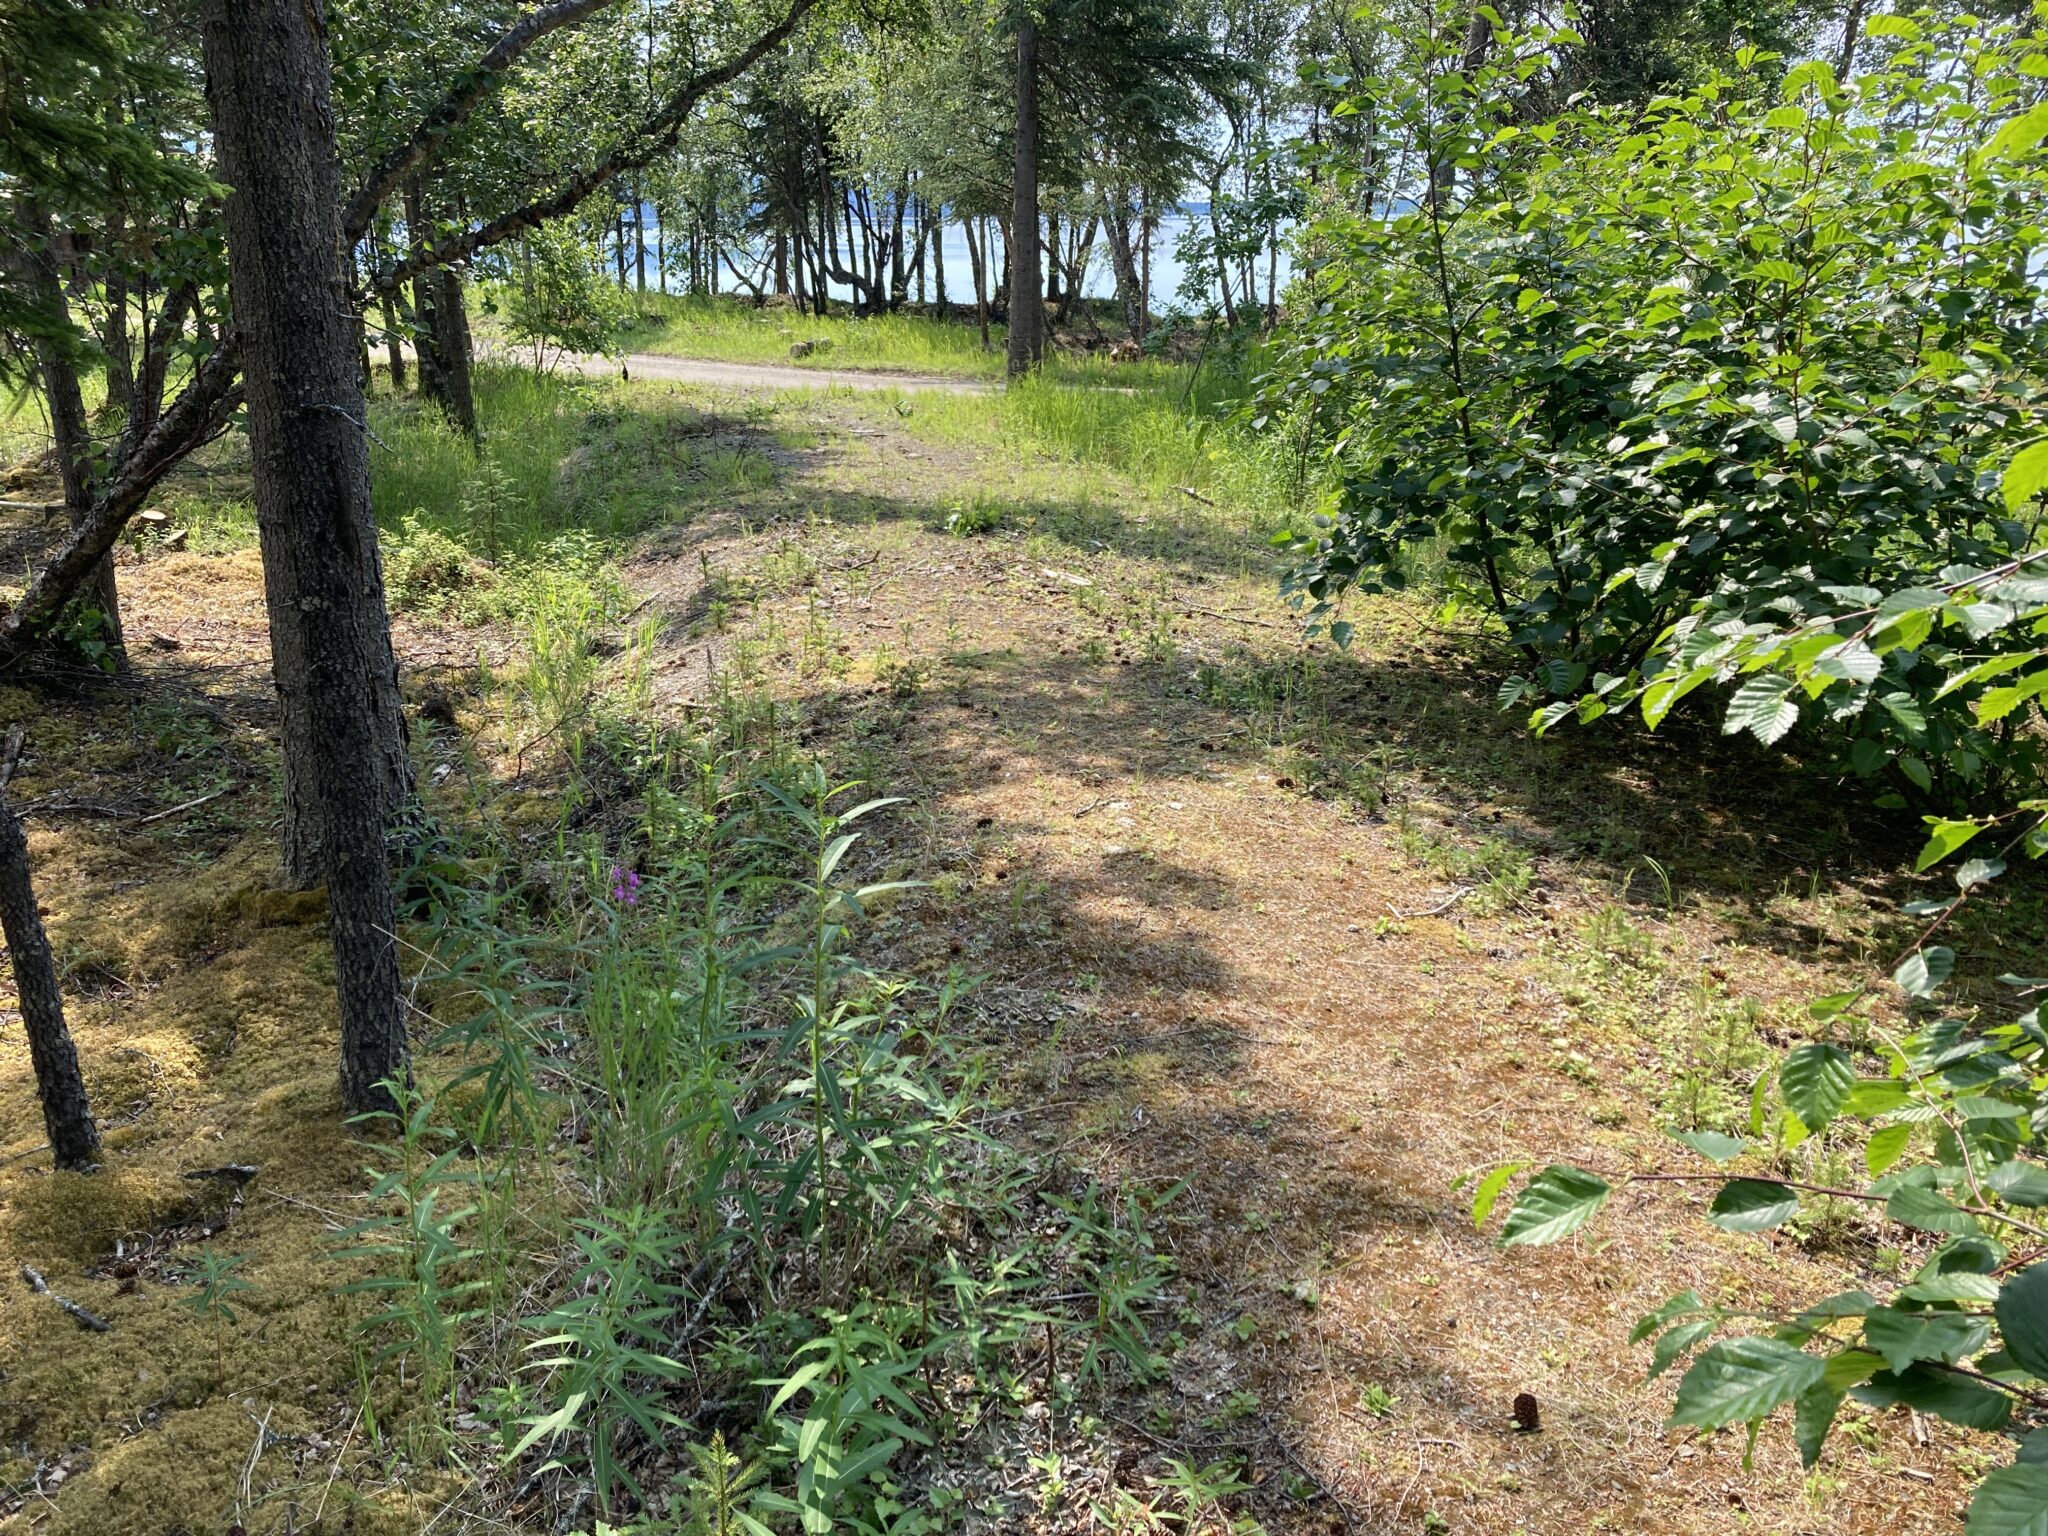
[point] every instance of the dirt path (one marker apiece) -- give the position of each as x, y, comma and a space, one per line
724, 375
1215, 884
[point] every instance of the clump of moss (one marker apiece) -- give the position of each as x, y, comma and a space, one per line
71, 1221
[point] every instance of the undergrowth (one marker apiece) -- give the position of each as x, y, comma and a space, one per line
693, 1198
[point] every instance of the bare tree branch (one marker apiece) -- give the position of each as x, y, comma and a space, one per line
453, 109
191, 420
653, 138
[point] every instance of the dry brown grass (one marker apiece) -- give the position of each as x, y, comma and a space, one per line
1176, 845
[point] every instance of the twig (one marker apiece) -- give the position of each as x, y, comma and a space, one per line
1194, 495
156, 816
1235, 618
79, 1315
1321, 1487
47, 508
334, 1472
256, 1453
1440, 908
240, 1173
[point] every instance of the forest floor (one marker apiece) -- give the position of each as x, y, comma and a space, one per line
1298, 937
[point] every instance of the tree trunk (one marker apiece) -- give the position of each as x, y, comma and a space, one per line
114, 334
330, 636
452, 343
1027, 315
899, 272
938, 223
977, 263
1124, 265
1443, 165
168, 331
1145, 222
1852, 35
72, 439
1052, 262
67, 1116
394, 345
639, 238
426, 334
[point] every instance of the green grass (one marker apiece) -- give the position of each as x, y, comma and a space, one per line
1162, 434
733, 330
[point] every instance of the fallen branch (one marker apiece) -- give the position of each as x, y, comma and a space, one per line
1440, 908
79, 1315
176, 810
240, 1173
1235, 618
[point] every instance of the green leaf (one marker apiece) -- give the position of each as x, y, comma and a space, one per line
1923, 1208
1763, 707
1946, 838
2034, 1449
1684, 1304
1813, 1415
1922, 973
2026, 474
1489, 1189
1816, 1080
1941, 1393
1712, 1144
2016, 136
1558, 1201
1975, 872
2022, 1313
1742, 1379
1753, 1205
1850, 1367
2012, 1501
1675, 1342
1874, 1096
1905, 1337
1886, 1147
2022, 1184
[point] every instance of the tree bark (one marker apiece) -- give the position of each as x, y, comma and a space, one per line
68, 426
114, 334
1027, 311
426, 335
394, 344
452, 342
1852, 36
1123, 263
1443, 166
267, 79
977, 264
67, 1116
158, 340
639, 237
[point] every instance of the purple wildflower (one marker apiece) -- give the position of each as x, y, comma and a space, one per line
625, 886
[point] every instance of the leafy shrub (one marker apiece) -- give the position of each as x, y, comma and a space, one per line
557, 298
1951, 1117
1637, 382
425, 570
